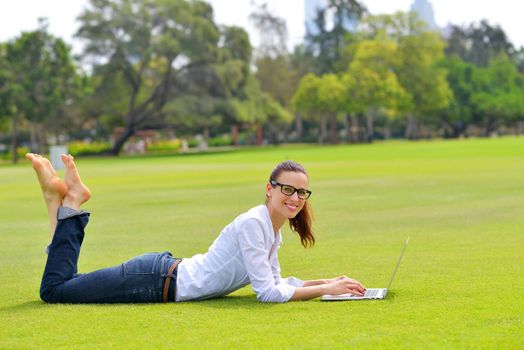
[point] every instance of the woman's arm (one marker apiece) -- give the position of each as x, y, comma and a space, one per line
334, 286
315, 282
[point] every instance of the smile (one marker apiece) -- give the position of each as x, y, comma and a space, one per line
291, 207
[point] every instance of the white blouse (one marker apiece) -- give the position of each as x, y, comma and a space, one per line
244, 252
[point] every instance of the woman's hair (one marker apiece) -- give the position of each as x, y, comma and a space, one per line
301, 223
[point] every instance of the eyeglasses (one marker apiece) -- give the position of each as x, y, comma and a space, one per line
290, 190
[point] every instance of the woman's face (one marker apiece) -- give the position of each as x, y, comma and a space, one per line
287, 206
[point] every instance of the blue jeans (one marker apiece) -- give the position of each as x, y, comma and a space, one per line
139, 280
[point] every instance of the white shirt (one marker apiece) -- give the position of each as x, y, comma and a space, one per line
244, 252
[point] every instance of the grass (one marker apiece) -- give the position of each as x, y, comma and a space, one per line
461, 284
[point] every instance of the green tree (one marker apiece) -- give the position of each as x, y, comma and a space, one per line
371, 82
305, 97
330, 101
461, 76
152, 49
9, 89
421, 77
499, 94
479, 43
40, 81
277, 77
206, 100
330, 35
321, 99
419, 51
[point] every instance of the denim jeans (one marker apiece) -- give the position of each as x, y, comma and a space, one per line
139, 280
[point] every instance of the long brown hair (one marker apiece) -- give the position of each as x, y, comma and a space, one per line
301, 223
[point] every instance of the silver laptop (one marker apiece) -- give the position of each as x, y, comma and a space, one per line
371, 293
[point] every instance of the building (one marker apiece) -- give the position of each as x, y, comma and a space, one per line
425, 12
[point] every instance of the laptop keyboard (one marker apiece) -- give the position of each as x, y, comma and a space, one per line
371, 293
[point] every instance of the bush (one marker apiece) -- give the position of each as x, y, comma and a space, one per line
79, 148
192, 143
20, 151
225, 140
166, 146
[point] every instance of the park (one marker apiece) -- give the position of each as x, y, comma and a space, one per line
459, 285
178, 120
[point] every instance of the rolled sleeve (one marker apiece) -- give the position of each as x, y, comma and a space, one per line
293, 281
256, 261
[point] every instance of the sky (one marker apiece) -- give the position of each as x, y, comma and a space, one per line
22, 15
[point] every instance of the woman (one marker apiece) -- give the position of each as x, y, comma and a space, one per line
244, 252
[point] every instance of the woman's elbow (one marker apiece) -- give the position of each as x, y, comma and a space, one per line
268, 297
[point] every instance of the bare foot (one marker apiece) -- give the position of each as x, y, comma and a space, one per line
77, 193
53, 189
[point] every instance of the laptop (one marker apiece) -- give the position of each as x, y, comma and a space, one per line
371, 293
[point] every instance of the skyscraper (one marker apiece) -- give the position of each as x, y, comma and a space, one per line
424, 9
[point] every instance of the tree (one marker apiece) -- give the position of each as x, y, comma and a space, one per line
479, 43
304, 99
371, 82
153, 47
460, 113
499, 94
327, 42
320, 99
420, 75
271, 58
40, 82
276, 75
272, 30
9, 89
330, 101
207, 95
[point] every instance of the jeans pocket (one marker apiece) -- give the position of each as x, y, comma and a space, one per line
141, 265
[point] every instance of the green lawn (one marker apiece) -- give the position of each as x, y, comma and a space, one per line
461, 284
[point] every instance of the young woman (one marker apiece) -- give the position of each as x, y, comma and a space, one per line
244, 252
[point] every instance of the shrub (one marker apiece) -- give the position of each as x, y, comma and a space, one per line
225, 140
79, 148
166, 146
192, 143
20, 151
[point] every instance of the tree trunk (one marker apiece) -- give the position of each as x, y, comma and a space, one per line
369, 126
234, 135
387, 133
322, 130
33, 142
458, 129
273, 134
490, 126
300, 127
14, 141
411, 128
333, 137
41, 138
354, 129
119, 143
347, 128
260, 135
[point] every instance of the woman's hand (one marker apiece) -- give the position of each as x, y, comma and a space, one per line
344, 285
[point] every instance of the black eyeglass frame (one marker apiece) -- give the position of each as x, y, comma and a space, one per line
274, 184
